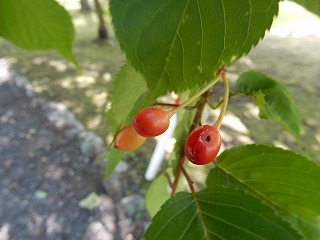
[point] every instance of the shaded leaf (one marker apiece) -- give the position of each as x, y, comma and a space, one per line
37, 25
273, 100
217, 177
217, 213
181, 44
113, 157
282, 177
158, 193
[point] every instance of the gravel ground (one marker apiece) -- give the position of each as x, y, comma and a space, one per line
46, 170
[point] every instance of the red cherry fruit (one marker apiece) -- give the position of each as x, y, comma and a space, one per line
127, 139
151, 121
202, 145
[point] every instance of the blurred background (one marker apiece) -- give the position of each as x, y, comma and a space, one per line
53, 126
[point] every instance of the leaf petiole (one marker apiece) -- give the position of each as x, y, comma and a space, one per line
225, 100
198, 94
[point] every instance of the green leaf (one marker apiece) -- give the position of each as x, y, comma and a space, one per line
158, 193
181, 44
218, 177
113, 157
217, 213
273, 100
128, 86
40, 194
282, 177
37, 25
90, 202
311, 5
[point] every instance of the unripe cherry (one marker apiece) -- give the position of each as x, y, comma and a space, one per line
151, 121
202, 145
127, 139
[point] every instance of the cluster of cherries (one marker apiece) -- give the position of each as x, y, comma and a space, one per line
202, 144
201, 147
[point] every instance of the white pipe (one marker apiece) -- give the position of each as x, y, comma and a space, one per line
160, 150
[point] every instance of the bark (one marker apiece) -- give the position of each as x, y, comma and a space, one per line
85, 6
102, 30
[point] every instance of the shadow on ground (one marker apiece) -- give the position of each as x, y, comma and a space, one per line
44, 174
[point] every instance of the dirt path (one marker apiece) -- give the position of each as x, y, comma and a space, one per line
44, 174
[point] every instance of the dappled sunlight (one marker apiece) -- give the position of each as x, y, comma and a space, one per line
67, 82
40, 60
244, 139
302, 22
59, 66
99, 99
246, 60
107, 77
80, 22
84, 81
4, 231
233, 122
315, 147
251, 111
94, 122
53, 224
96, 230
70, 4
54, 172
41, 88
280, 144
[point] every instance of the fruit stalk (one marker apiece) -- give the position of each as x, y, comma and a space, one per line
225, 101
194, 97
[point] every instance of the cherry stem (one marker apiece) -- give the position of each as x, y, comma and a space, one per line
196, 120
214, 107
190, 182
174, 105
225, 101
174, 185
166, 174
198, 94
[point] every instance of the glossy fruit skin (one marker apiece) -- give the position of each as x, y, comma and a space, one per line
127, 139
202, 145
151, 121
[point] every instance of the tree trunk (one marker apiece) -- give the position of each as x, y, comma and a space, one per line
102, 31
85, 7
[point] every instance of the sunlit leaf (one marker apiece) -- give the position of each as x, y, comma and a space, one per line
283, 178
273, 100
181, 44
217, 213
218, 177
37, 25
127, 87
